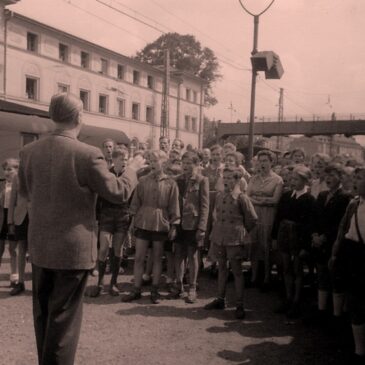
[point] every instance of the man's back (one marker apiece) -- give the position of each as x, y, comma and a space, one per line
61, 177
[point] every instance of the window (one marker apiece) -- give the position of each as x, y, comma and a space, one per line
103, 104
120, 72
135, 77
195, 96
85, 59
135, 111
193, 124
121, 107
188, 94
63, 88
28, 138
32, 42
63, 52
150, 82
149, 114
104, 66
31, 88
85, 98
187, 122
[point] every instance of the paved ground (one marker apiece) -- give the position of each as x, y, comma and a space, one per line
170, 333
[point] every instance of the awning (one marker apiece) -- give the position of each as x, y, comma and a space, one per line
20, 118
96, 135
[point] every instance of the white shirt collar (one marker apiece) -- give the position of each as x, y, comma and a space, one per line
298, 193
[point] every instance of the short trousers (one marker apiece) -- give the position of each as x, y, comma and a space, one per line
186, 238
150, 235
114, 220
228, 252
21, 231
4, 234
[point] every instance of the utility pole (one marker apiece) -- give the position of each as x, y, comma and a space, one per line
253, 79
164, 130
232, 110
280, 116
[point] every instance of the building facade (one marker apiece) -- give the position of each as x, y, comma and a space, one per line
118, 92
330, 145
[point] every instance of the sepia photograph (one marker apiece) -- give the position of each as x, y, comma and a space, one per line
182, 182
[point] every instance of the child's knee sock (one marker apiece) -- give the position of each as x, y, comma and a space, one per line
322, 299
101, 268
359, 338
115, 267
338, 304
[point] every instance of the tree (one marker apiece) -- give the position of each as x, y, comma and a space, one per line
186, 54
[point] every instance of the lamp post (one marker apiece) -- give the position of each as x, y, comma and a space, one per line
253, 80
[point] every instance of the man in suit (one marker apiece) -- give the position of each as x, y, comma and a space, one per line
61, 178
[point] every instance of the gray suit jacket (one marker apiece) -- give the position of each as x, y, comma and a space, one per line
61, 178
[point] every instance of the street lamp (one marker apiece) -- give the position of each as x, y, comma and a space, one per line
266, 61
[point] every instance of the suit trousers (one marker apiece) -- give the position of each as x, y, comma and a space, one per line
57, 312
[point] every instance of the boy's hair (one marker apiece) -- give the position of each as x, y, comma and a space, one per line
119, 152
359, 169
267, 153
108, 140
348, 170
297, 150
321, 156
304, 172
234, 155
191, 155
10, 162
161, 155
65, 108
237, 172
334, 167
230, 145
182, 145
352, 162
216, 147
164, 137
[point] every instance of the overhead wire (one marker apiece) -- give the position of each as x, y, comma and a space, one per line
105, 20
225, 61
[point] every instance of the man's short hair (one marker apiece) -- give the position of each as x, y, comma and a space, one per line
164, 137
193, 156
120, 152
65, 108
334, 167
216, 147
108, 140
230, 145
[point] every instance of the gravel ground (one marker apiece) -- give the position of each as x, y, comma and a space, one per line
171, 332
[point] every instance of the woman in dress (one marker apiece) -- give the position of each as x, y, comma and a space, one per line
264, 189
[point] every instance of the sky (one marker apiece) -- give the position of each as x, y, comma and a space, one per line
320, 44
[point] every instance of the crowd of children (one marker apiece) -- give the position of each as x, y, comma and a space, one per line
300, 216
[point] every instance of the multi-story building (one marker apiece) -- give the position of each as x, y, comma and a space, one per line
120, 94
330, 145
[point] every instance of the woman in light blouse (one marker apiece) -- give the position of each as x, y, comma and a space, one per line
264, 189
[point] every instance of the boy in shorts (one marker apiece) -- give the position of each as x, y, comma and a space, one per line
233, 217
114, 224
